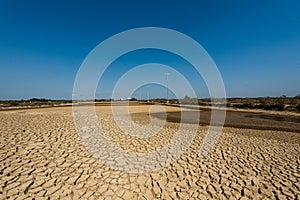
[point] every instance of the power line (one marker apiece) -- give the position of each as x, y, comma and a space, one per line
148, 96
167, 86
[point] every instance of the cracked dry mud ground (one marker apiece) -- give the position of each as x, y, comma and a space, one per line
42, 157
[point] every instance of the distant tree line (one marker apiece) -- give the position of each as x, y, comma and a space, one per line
32, 102
282, 103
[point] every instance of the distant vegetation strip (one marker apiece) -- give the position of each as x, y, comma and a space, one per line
281, 103
33, 102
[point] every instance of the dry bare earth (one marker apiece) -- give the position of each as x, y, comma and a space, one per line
43, 157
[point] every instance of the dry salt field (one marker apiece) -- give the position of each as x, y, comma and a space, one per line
44, 157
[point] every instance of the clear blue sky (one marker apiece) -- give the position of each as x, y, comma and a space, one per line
255, 44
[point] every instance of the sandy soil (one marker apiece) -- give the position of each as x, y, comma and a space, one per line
43, 157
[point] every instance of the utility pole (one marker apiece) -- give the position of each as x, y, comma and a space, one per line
148, 94
167, 86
